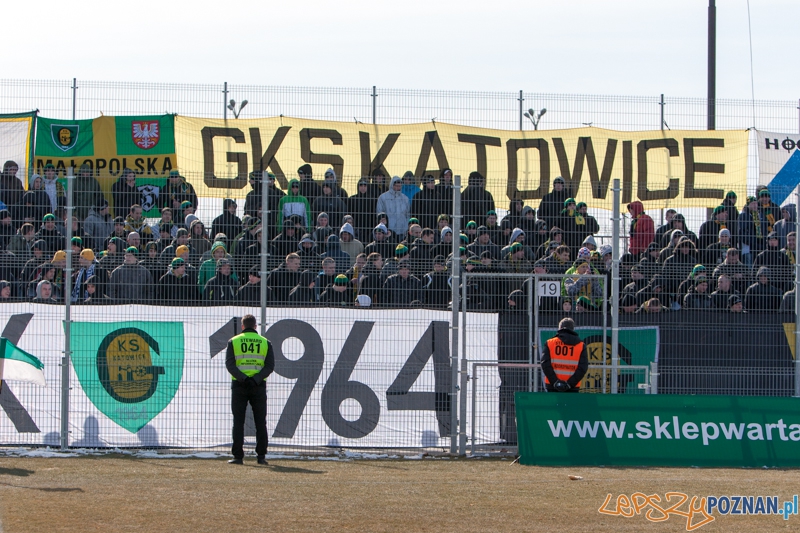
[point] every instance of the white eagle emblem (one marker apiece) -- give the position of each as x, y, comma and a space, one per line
145, 133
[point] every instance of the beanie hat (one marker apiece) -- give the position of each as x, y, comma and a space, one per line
471, 224
77, 241
341, 279
558, 179
60, 255
605, 250
185, 204
439, 260
462, 250
129, 250
177, 262
48, 217
180, 250
719, 209
725, 232
305, 169
222, 262
87, 254
567, 323
413, 220
751, 199
763, 192
734, 299
584, 252
39, 245
491, 212
400, 250
217, 245
730, 194
182, 231
516, 247
569, 201
697, 269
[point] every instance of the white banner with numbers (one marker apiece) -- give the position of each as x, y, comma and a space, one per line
155, 376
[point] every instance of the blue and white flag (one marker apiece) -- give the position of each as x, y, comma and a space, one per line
779, 163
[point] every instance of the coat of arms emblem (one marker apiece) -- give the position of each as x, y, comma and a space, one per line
145, 133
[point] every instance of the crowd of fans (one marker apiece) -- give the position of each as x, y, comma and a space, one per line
389, 244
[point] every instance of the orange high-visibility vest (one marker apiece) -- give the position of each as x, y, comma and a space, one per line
564, 358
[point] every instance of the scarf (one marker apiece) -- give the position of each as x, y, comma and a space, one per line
757, 223
83, 275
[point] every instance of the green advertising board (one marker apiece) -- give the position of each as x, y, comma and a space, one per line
658, 430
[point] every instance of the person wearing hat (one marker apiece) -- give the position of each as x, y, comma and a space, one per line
714, 254
339, 294
295, 203
11, 189
208, 268
130, 282
735, 304
250, 292
329, 203
98, 225
579, 284
770, 211
222, 288
397, 207
709, 230
763, 295
380, 243
176, 287
362, 206
306, 186
32, 266
87, 191
553, 202
7, 229
476, 201
227, 223
565, 359
778, 263
445, 190
349, 244
729, 203
402, 289
426, 204
556, 236
787, 224
698, 297
752, 228
642, 230
170, 252
410, 187
87, 266
125, 193
177, 191
37, 195
402, 255
49, 234
514, 261
253, 200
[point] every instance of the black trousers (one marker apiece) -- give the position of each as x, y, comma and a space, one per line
241, 395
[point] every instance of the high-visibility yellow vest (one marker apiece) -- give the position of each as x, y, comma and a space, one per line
250, 350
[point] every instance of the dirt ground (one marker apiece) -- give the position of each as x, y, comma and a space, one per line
125, 493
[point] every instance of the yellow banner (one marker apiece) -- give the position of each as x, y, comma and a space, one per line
660, 168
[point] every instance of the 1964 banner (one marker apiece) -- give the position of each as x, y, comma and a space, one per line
342, 377
655, 167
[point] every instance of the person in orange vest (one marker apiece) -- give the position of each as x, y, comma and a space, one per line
564, 359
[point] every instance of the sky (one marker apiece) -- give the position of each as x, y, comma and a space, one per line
626, 47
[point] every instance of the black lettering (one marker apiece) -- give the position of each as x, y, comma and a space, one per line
774, 143
101, 164
139, 164
167, 166
692, 167
209, 178
134, 344
642, 191
368, 165
431, 141
480, 142
627, 172
151, 165
267, 160
335, 161
114, 167
512, 188
585, 152
788, 144
121, 346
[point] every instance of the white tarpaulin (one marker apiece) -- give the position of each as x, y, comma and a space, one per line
344, 377
778, 163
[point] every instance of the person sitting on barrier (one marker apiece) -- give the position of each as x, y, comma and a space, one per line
687, 285
763, 295
565, 359
724, 291
735, 304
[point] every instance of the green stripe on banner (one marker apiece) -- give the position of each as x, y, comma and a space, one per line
64, 138
145, 135
9, 351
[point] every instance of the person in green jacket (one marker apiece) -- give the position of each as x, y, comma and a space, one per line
293, 204
209, 267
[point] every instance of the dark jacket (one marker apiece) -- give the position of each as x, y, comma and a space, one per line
571, 338
238, 375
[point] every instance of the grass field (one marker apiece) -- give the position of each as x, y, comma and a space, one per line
127, 493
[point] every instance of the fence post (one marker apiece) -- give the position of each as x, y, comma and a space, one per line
374, 96
662, 111
65, 361
796, 308
74, 96
615, 289
225, 101
265, 192
455, 274
521, 99
462, 407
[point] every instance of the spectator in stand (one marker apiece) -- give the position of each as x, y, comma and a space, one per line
752, 231
338, 294
187, 214
304, 293
198, 239
675, 237
11, 189
719, 297
397, 206
735, 304
87, 192
512, 218
580, 285
402, 289
709, 231
33, 265
436, 285
130, 282
253, 200
40, 198
421, 249
410, 187
426, 204
329, 203
667, 226
44, 293
787, 224
380, 243
286, 241
652, 306
168, 222
177, 191
55, 190
349, 244
789, 249
133, 240
294, 203
729, 203
48, 233
680, 264
377, 184
553, 202
307, 251
326, 277
322, 232
87, 267
362, 205
445, 191
99, 225
222, 288
338, 190
714, 254
208, 268
284, 278
556, 236
739, 273
763, 295
476, 201
247, 239
250, 292
22, 241
642, 231
125, 193
307, 188
136, 222
698, 298
176, 287
778, 263
678, 222
7, 229
152, 262
566, 221
483, 243
770, 211
514, 262
227, 223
